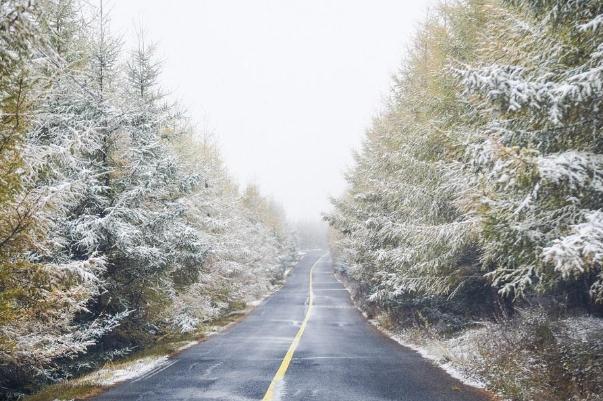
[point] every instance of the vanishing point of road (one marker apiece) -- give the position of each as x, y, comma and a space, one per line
306, 342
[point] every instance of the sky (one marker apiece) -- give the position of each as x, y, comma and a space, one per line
288, 87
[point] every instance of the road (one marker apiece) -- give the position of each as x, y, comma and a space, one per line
297, 346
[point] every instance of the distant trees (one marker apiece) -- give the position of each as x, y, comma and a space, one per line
312, 234
249, 242
117, 224
485, 169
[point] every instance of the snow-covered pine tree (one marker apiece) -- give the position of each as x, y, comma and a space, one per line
153, 252
537, 90
17, 32
42, 289
101, 75
103, 217
268, 239
17, 230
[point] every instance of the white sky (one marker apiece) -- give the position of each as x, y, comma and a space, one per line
288, 86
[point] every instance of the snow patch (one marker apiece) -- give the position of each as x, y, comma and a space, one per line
111, 375
256, 302
435, 351
187, 345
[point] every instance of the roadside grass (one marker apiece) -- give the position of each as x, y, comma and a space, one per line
66, 391
533, 356
91, 384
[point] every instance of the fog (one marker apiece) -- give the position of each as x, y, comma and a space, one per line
288, 87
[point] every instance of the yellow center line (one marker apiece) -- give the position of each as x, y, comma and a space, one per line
280, 373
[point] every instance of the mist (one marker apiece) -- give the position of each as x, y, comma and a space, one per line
287, 87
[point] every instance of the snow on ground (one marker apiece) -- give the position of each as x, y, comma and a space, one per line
110, 375
252, 304
257, 301
187, 345
443, 353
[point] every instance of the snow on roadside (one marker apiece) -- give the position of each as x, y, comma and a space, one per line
258, 301
440, 352
110, 375
187, 345
253, 304
114, 373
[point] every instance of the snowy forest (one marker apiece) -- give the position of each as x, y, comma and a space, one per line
473, 222
471, 227
119, 223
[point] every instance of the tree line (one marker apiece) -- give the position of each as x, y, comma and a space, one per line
119, 224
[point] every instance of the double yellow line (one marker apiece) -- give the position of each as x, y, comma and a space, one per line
280, 373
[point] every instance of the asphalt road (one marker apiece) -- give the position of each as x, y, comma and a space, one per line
339, 356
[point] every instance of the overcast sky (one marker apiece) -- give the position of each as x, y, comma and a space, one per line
288, 86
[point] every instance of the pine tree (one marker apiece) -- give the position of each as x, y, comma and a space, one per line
538, 95
153, 251
41, 294
484, 168
16, 35
111, 231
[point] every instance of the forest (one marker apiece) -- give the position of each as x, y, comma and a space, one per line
472, 222
119, 223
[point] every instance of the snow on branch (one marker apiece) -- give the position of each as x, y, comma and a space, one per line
592, 25
580, 251
574, 169
513, 88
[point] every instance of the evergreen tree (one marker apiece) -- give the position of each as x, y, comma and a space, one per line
153, 251
250, 247
486, 163
42, 290
537, 94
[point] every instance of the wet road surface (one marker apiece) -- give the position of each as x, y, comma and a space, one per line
338, 356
